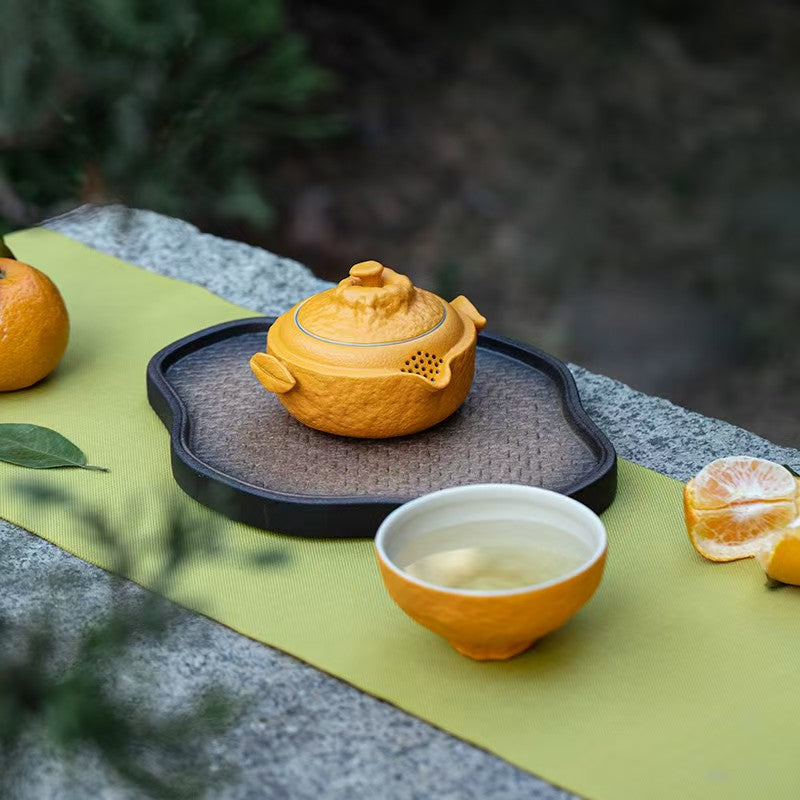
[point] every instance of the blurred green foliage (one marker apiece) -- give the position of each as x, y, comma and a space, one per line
169, 106
78, 692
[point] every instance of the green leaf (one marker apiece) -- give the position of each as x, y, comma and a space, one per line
39, 448
5, 251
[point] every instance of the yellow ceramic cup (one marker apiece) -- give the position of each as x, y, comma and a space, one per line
494, 624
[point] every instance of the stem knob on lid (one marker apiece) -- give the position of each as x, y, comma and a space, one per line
369, 273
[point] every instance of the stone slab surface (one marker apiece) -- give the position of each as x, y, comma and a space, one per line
304, 734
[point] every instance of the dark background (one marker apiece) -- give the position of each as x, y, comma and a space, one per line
615, 182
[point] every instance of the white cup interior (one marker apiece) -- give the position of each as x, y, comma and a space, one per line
431, 523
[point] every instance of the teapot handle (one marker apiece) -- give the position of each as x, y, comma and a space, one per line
273, 374
466, 309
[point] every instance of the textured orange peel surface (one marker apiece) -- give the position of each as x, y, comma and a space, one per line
34, 325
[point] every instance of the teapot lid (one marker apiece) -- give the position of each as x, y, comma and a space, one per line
374, 305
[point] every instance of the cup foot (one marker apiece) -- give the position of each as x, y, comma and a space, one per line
491, 652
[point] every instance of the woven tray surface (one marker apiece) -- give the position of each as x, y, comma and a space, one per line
511, 429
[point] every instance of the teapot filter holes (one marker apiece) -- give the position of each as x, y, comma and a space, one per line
425, 364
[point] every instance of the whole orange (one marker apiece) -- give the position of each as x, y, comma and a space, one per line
34, 326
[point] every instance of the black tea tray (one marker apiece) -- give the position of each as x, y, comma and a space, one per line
236, 449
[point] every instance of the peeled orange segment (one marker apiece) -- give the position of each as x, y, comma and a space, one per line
741, 479
780, 555
725, 534
735, 505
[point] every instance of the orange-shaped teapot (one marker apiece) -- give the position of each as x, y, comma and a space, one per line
373, 357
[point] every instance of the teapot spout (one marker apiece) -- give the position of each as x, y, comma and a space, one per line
273, 374
465, 308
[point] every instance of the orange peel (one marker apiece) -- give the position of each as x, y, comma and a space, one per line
780, 555
34, 326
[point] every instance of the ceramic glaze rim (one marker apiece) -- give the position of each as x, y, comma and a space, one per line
534, 496
319, 338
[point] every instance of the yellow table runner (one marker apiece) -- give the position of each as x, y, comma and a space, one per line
680, 679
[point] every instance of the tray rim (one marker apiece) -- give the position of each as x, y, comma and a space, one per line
297, 514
